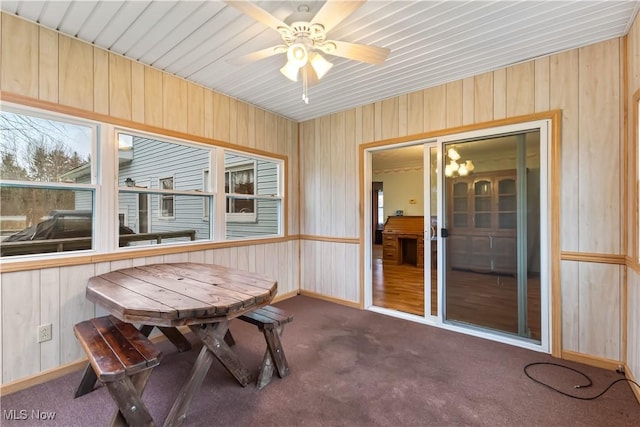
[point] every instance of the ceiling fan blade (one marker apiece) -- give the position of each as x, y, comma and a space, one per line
358, 52
257, 55
334, 12
257, 13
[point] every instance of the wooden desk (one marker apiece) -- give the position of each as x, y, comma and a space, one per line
403, 240
201, 296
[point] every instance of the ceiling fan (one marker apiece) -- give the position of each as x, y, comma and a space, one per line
305, 40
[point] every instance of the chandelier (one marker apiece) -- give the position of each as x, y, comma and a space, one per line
455, 167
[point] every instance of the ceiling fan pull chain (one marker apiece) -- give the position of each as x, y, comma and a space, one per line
305, 98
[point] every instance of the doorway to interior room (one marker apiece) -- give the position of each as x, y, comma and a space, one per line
478, 260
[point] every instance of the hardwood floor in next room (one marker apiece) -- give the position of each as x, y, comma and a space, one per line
487, 300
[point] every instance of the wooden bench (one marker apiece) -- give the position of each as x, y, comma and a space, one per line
122, 359
270, 321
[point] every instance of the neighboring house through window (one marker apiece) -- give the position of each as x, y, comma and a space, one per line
240, 180
167, 200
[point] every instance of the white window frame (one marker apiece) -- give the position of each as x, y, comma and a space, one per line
166, 196
206, 187
243, 216
93, 187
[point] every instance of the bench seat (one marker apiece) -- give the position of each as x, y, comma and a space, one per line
270, 321
122, 359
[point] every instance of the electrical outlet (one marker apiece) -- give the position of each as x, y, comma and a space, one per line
44, 332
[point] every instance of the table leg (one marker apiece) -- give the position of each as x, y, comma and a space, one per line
212, 336
178, 412
172, 334
214, 345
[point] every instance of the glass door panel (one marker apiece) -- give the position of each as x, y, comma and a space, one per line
491, 196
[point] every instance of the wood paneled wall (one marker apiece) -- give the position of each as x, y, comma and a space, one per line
43, 65
632, 217
586, 85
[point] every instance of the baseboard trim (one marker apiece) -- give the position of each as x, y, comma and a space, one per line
599, 362
335, 300
42, 377
634, 388
282, 297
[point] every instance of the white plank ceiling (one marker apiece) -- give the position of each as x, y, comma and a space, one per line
431, 42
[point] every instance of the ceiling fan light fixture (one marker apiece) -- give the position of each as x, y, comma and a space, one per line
297, 55
290, 71
320, 65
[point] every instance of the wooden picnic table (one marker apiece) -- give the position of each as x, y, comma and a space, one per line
203, 297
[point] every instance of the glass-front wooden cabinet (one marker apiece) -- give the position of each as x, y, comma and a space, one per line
482, 222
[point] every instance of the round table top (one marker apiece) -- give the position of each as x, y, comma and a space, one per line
176, 294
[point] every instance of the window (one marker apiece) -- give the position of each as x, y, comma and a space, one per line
161, 189
253, 189
166, 208
47, 188
54, 198
380, 208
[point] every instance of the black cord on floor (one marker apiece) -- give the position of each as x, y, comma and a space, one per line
585, 376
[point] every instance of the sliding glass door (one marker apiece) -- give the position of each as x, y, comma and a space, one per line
492, 211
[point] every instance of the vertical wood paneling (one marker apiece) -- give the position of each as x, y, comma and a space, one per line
120, 98
195, 109
306, 175
415, 112
137, 92
563, 89
19, 56
209, 114
435, 108
75, 76
352, 212
599, 149
175, 101
233, 121
322, 191
20, 318
48, 65
242, 124
520, 89
50, 313
101, 81
377, 121
74, 308
569, 272
221, 117
454, 104
337, 176
499, 94
483, 98
261, 136
153, 97
368, 127
468, 100
390, 117
403, 105
541, 79
599, 310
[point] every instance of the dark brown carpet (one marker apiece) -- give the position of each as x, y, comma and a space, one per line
356, 368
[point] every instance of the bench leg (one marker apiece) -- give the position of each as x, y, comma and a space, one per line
87, 382
127, 393
273, 357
